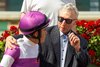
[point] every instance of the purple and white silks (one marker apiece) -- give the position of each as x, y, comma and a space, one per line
24, 55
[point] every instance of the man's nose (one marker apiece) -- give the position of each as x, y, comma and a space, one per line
63, 22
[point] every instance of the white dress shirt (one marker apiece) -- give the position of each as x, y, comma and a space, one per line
64, 45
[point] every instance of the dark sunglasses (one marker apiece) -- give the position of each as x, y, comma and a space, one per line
68, 21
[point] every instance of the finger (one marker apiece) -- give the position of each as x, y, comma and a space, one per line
74, 39
70, 39
76, 42
8, 45
13, 40
9, 38
71, 36
9, 41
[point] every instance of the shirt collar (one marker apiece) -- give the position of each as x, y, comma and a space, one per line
26, 40
61, 34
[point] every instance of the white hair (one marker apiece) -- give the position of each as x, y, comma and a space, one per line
69, 6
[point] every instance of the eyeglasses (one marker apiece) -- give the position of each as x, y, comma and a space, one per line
68, 21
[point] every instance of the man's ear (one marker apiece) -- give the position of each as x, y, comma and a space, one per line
35, 34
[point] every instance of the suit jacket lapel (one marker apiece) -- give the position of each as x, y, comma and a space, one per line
69, 54
56, 43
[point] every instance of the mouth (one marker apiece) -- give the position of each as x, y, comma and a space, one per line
62, 27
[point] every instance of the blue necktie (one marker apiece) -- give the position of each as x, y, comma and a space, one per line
64, 37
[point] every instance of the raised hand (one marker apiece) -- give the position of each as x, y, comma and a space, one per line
74, 41
9, 42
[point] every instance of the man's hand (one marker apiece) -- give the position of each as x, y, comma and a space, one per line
9, 41
74, 41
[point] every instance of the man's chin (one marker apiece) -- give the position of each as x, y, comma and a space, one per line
65, 32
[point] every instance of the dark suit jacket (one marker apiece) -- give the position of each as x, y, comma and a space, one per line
50, 56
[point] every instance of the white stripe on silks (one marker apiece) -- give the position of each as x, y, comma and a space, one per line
7, 61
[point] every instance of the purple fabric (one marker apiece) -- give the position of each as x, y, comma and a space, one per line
21, 62
15, 53
26, 62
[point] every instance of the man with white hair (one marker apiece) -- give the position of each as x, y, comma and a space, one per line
48, 7
63, 47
